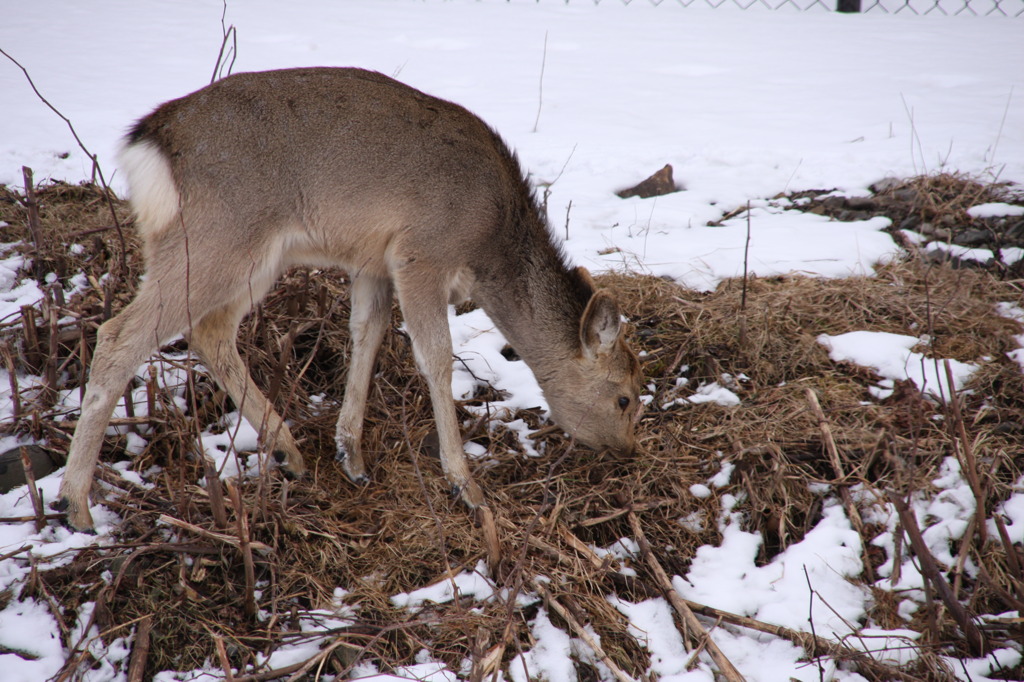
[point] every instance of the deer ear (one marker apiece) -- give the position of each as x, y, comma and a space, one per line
600, 325
586, 277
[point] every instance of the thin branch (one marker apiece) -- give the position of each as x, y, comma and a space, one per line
229, 33
929, 567
693, 626
540, 99
581, 632
92, 157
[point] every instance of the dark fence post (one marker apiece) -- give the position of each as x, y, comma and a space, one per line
848, 6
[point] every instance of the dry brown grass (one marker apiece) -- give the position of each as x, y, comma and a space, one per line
404, 531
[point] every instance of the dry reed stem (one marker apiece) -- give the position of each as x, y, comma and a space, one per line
692, 628
929, 568
580, 631
33, 491
140, 650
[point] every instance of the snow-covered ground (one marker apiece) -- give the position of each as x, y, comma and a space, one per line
744, 105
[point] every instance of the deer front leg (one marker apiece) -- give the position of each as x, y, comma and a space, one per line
424, 302
368, 320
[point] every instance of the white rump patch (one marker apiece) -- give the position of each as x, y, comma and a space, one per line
153, 193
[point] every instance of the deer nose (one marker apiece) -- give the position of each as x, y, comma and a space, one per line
624, 448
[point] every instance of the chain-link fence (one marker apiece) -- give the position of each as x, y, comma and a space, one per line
1005, 8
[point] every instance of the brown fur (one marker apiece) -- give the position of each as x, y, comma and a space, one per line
410, 194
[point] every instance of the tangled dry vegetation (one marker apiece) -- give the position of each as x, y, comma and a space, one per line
283, 548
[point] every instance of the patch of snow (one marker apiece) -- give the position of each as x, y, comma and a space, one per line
475, 584
714, 393
890, 355
995, 210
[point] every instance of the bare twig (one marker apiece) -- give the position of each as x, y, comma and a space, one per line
814, 645
929, 567
140, 651
214, 490
852, 513
581, 632
245, 546
209, 534
32, 206
540, 98
33, 491
92, 157
810, 620
743, 294
12, 377
222, 656
694, 630
229, 34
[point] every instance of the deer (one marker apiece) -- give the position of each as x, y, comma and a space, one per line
411, 196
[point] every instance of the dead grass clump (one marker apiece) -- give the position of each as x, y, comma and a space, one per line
934, 208
943, 197
301, 541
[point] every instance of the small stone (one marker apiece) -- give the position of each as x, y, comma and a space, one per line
1016, 231
908, 195
655, 186
861, 204
885, 185
972, 237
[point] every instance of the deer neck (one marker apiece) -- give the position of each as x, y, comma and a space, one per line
536, 302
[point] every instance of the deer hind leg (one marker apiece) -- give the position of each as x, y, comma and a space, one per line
214, 338
424, 302
124, 342
368, 320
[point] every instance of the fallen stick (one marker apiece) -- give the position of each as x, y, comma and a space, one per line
209, 534
33, 491
693, 626
837, 465
24, 519
581, 632
929, 568
140, 651
813, 644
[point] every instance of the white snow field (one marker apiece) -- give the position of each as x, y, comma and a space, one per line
744, 104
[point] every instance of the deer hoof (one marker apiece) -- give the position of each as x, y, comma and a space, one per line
284, 463
470, 493
77, 519
352, 466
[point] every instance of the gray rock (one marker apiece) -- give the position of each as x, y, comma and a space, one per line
972, 237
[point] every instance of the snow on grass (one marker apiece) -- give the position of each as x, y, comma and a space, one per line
475, 584
826, 560
549, 659
714, 393
477, 344
995, 210
1014, 312
30, 646
890, 355
781, 243
651, 623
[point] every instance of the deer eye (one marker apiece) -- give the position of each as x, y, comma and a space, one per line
623, 402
